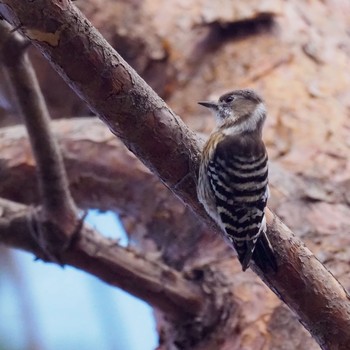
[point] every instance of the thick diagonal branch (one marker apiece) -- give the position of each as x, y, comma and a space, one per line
140, 118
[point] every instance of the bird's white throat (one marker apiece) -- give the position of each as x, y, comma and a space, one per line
248, 124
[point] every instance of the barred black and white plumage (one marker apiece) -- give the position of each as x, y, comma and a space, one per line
233, 177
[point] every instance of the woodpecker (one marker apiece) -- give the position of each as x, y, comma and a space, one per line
233, 176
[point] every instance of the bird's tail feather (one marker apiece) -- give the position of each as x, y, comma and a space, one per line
263, 254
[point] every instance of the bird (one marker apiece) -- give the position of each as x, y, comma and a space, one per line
232, 182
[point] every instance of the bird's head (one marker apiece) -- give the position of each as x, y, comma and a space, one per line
244, 109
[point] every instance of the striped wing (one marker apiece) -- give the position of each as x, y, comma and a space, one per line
240, 186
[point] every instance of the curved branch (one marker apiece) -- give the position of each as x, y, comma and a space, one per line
161, 286
134, 113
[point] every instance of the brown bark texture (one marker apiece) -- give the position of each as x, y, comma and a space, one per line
271, 45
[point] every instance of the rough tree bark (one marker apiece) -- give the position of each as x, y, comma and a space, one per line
151, 131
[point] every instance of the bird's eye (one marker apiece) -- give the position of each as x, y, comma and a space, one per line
229, 99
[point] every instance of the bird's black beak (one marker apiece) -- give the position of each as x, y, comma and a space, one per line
209, 104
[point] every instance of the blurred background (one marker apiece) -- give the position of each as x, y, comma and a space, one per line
296, 54
45, 307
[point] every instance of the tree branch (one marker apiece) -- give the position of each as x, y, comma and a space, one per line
157, 284
57, 200
148, 128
